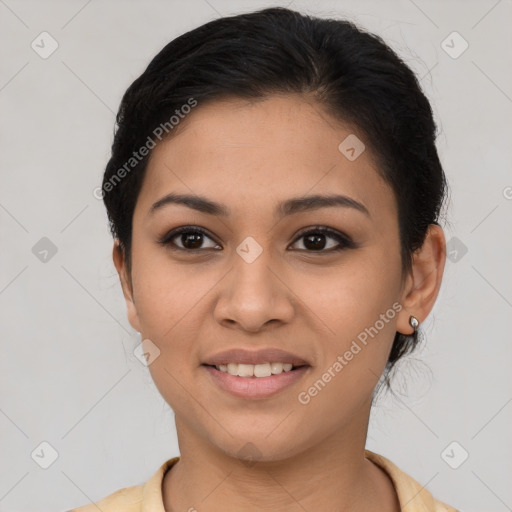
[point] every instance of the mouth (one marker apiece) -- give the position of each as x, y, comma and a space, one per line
255, 374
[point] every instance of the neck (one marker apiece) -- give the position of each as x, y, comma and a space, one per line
331, 475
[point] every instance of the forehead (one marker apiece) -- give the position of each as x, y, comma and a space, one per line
245, 153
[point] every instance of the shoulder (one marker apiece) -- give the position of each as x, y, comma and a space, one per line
128, 499
138, 498
409, 491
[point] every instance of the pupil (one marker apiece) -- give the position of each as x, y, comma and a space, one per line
194, 240
318, 241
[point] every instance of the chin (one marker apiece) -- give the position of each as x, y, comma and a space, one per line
252, 446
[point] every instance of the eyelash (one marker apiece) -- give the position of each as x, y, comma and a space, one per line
344, 240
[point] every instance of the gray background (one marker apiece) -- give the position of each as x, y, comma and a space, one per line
68, 373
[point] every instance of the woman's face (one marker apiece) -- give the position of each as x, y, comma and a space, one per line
258, 281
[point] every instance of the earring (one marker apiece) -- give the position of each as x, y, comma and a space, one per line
413, 321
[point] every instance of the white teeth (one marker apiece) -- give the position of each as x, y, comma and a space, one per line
255, 370
276, 367
262, 370
232, 369
245, 370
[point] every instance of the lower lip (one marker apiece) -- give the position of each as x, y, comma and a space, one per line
256, 387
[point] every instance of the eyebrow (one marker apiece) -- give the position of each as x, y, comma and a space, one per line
283, 209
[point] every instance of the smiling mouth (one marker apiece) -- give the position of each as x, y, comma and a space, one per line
255, 370
256, 381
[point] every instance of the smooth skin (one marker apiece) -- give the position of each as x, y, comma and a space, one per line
250, 156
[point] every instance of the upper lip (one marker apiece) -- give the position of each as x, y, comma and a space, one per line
243, 356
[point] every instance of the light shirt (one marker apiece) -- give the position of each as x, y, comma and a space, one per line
147, 497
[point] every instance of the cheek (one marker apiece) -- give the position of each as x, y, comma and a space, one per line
357, 307
166, 294
360, 318
354, 297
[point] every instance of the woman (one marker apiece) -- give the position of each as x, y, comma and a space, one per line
274, 192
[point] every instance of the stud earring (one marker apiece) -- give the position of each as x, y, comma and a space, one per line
413, 321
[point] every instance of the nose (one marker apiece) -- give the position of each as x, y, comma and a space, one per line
254, 295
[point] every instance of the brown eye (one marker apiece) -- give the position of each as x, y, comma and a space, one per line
317, 239
188, 238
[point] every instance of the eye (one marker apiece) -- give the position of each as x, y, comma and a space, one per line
316, 240
191, 238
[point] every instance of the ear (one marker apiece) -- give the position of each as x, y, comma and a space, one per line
120, 263
423, 283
